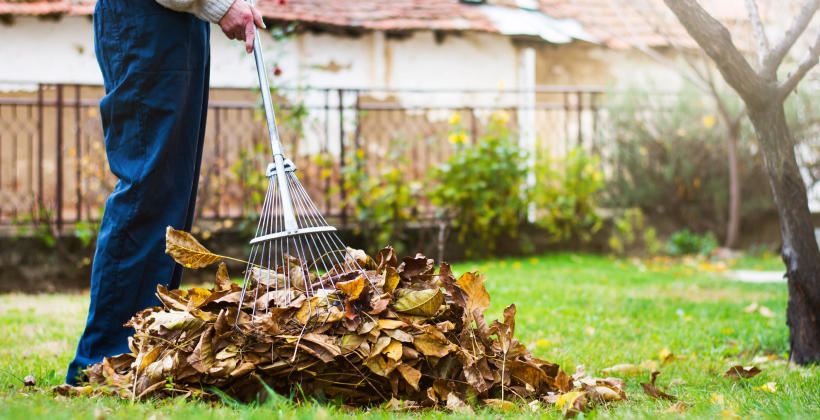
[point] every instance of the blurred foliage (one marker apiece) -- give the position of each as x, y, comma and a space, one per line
669, 158
482, 187
566, 195
684, 242
803, 118
382, 196
631, 234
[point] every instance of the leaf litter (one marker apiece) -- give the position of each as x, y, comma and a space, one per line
415, 338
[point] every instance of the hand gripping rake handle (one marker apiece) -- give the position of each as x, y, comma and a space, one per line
273, 133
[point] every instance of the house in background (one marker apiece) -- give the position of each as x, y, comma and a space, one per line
368, 72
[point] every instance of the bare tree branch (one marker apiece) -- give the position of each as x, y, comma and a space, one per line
716, 41
810, 60
760, 33
698, 80
775, 56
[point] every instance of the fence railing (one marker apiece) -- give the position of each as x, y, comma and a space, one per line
53, 166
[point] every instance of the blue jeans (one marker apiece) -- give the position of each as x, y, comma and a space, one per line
155, 65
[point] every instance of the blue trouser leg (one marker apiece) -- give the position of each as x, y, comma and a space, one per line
155, 68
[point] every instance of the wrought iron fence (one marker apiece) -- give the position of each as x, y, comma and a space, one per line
53, 166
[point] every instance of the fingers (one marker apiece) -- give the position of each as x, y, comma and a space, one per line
249, 29
257, 18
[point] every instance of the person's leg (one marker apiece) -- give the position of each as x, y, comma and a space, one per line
154, 62
177, 276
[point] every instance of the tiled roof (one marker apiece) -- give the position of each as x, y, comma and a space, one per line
615, 23
396, 15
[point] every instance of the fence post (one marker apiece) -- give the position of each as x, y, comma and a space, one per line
77, 154
326, 149
218, 155
58, 156
342, 158
39, 150
593, 106
526, 120
580, 106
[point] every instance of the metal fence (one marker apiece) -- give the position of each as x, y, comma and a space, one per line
53, 166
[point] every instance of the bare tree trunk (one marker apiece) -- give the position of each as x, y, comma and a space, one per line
800, 252
733, 225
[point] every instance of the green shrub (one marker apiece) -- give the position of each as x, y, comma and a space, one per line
632, 235
669, 158
383, 200
566, 195
684, 242
482, 187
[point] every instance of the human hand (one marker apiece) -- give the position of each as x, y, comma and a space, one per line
238, 23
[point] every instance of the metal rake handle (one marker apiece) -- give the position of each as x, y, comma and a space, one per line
273, 131
276, 145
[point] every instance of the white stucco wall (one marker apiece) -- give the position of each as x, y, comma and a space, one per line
62, 51
34, 50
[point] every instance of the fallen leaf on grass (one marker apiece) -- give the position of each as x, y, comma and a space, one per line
653, 391
665, 355
29, 380
745, 372
768, 387
751, 308
456, 405
717, 398
678, 407
766, 312
622, 369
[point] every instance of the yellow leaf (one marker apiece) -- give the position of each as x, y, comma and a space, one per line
186, 250
718, 399
566, 398
768, 387
473, 286
393, 350
391, 279
665, 355
352, 288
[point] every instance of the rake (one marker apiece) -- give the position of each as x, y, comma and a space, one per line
295, 253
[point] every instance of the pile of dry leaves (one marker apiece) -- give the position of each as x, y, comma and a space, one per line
414, 338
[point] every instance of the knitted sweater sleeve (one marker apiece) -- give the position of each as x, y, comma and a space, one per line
208, 10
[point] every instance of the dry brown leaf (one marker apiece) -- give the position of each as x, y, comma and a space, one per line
419, 302
678, 407
411, 375
186, 250
223, 280
456, 405
744, 372
473, 286
352, 288
393, 350
653, 391
627, 369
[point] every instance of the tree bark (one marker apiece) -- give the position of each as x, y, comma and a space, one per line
800, 252
733, 225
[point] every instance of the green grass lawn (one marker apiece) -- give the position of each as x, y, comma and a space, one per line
572, 309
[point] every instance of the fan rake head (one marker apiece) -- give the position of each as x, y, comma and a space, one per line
296, 258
